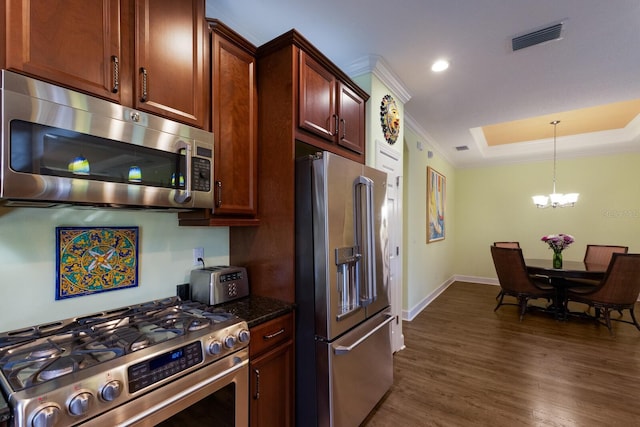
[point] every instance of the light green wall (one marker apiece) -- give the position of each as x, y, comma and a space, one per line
365, 82
494, 203
427, 266
377, 90
28, 260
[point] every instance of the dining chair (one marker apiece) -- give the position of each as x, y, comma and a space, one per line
597, 254
618, 290
507, 244
514, 279
601, 254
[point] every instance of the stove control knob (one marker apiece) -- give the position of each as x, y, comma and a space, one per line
215, 347
47, 416
230, 341
111, 390
244, 335
79, 404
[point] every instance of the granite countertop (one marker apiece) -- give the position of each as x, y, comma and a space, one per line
257, 309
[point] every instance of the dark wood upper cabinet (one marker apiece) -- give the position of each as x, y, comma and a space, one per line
146, 54
72, 42
317, 99
351, 124
170, 69
234, 118
329, 108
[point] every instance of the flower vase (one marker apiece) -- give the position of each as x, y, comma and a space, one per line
557, 259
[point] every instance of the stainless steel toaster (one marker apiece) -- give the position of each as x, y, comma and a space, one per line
215, 285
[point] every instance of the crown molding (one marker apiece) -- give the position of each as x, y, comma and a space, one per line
412, 124
377, 66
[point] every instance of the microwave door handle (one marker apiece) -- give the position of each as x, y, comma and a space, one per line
185, 196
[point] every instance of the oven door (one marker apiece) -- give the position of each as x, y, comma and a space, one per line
216, 395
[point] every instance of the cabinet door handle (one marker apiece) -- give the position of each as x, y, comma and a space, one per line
335, 124
273, 335
344, 128
145, 93
219, 191
256, 395
116, 74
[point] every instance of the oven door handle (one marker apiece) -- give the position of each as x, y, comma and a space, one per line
186, 392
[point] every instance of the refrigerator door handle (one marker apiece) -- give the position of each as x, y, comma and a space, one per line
364, 222
341, 349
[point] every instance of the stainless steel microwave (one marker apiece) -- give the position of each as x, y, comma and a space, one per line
64, 147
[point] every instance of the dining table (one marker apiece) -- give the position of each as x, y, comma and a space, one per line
558, 278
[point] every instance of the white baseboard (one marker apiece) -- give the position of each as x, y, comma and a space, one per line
409, 315
474, 279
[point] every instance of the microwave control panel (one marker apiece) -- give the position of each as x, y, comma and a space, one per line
201, 180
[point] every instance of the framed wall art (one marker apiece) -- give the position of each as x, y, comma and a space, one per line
436, 196
95, 259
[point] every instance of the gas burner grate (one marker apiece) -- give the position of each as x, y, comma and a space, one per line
44, 352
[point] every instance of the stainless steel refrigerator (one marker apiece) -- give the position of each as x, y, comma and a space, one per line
344, 361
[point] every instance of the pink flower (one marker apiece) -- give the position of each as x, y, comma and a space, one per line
558, 242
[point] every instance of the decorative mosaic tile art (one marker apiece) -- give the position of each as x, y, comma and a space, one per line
95, 259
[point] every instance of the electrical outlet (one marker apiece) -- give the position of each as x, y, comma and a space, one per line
198, 256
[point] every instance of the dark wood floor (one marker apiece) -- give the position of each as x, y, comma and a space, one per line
465, 365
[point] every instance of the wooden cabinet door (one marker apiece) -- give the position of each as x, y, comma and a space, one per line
234, 99
271, 373
271, 388
351, 112
75, 43
169, 61
317, 105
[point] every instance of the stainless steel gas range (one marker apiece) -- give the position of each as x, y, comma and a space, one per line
143, 364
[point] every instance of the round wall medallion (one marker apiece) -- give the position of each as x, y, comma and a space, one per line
389, 119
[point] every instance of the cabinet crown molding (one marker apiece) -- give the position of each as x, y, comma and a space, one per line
293, 37
221, 28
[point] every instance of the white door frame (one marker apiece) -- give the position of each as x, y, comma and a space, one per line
390, 161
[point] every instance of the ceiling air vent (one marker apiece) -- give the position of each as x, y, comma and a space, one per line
537, 37
462, 148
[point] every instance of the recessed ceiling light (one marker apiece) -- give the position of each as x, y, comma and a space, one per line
440, 65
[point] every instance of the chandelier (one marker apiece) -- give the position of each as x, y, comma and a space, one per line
555, 200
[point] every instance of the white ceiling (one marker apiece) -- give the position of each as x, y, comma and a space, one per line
596, 62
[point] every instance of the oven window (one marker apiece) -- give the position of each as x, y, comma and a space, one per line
217, 409
45, 150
